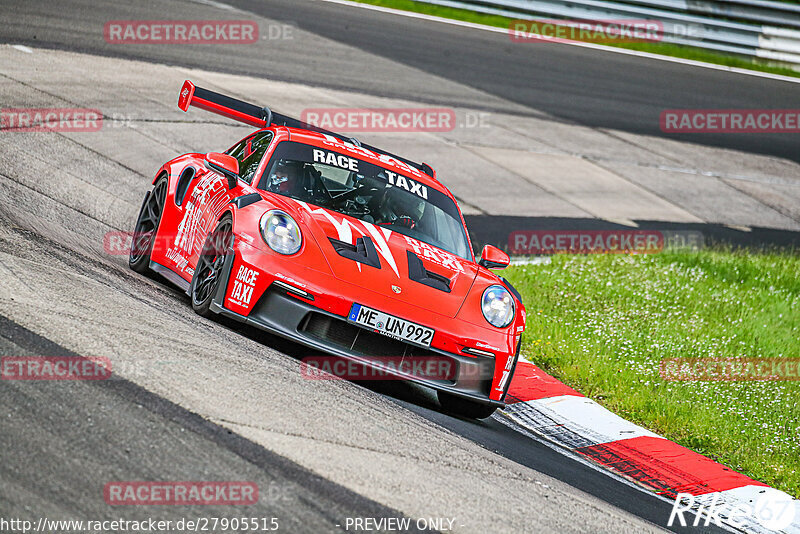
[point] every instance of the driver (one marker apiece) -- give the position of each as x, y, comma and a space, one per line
406, 208
285, 177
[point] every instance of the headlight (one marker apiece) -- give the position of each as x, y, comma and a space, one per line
497, 306
280, 232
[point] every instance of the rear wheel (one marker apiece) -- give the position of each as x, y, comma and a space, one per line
144, 232
463, 407
208, 272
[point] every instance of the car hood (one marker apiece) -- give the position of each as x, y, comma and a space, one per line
410, 270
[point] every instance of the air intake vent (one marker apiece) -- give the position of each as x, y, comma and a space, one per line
353, 338
418, 273
335, 332
363, 251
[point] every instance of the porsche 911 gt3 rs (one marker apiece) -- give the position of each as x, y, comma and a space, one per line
342, 247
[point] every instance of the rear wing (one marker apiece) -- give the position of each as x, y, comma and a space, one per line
262, 117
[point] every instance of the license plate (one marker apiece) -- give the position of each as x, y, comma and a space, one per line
390, 326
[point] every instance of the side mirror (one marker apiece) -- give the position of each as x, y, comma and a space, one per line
494, 258
224, 164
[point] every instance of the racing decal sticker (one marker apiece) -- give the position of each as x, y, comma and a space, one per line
243, 286
208, 196
501, 386
398, 180
344, 229
353, 159
175, 256
435, 255
383, 158
335, 159
343, 162
291, 280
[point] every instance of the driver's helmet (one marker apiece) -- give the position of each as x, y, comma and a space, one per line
406, 207
285, 176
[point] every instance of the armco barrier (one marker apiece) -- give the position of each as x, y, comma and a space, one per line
760, 29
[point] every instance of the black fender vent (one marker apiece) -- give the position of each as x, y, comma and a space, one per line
183, 184
418, 273
363, 251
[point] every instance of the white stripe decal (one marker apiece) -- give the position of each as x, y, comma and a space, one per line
382, 245
345, 229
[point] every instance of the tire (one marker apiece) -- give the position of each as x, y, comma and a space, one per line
146, 227
463, 407
207, 273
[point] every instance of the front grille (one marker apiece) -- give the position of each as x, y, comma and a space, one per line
418, 361
323, 327
354, 339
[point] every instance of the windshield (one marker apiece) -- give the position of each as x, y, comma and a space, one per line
368, 192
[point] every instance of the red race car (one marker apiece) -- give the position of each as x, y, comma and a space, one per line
358, 254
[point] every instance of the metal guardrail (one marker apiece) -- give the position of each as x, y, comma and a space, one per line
757, 11
760, 29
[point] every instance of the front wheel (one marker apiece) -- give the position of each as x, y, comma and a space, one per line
463, 407
208, 272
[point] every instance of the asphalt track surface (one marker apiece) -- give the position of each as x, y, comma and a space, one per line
110, 428
598, 89
74, 419
589, 87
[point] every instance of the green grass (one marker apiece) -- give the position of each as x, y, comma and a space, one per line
602, 324
666, 49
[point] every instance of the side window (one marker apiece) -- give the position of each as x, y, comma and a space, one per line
237, 150
249, 153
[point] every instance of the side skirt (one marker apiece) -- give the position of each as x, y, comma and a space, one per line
170, 275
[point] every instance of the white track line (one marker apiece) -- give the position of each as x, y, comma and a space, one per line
495, 29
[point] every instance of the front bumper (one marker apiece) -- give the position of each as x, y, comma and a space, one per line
280, 313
